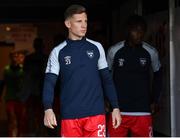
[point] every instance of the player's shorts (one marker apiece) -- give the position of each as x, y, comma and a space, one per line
92, 126
14, 107
136, 126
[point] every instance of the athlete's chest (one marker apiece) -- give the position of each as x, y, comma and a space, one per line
131, 59
72, 58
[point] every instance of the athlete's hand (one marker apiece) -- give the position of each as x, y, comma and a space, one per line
155, 108
50, 119
116, 118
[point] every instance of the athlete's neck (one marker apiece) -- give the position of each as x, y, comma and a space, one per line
71, 37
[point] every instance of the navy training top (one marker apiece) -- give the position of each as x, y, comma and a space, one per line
131, 67
84, 75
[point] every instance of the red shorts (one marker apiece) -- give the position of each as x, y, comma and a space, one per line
137, 126
14, 107
16, 117
92, 126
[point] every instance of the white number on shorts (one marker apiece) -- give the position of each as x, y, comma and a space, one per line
150, 132
101, 130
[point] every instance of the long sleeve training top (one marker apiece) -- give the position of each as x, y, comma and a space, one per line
132, 69
85, 79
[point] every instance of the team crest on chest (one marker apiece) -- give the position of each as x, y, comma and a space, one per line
121, 62
143, 61
67, 60
90, 53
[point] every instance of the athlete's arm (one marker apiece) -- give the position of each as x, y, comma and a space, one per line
48, 90
157, 85
157, 90
48, 97
110, 93
52, 72
109, 87
157, 81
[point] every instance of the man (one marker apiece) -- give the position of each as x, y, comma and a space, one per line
34, 68
83, 70
12, 83
131, 62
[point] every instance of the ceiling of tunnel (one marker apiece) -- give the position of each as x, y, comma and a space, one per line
49, 10
22, 10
